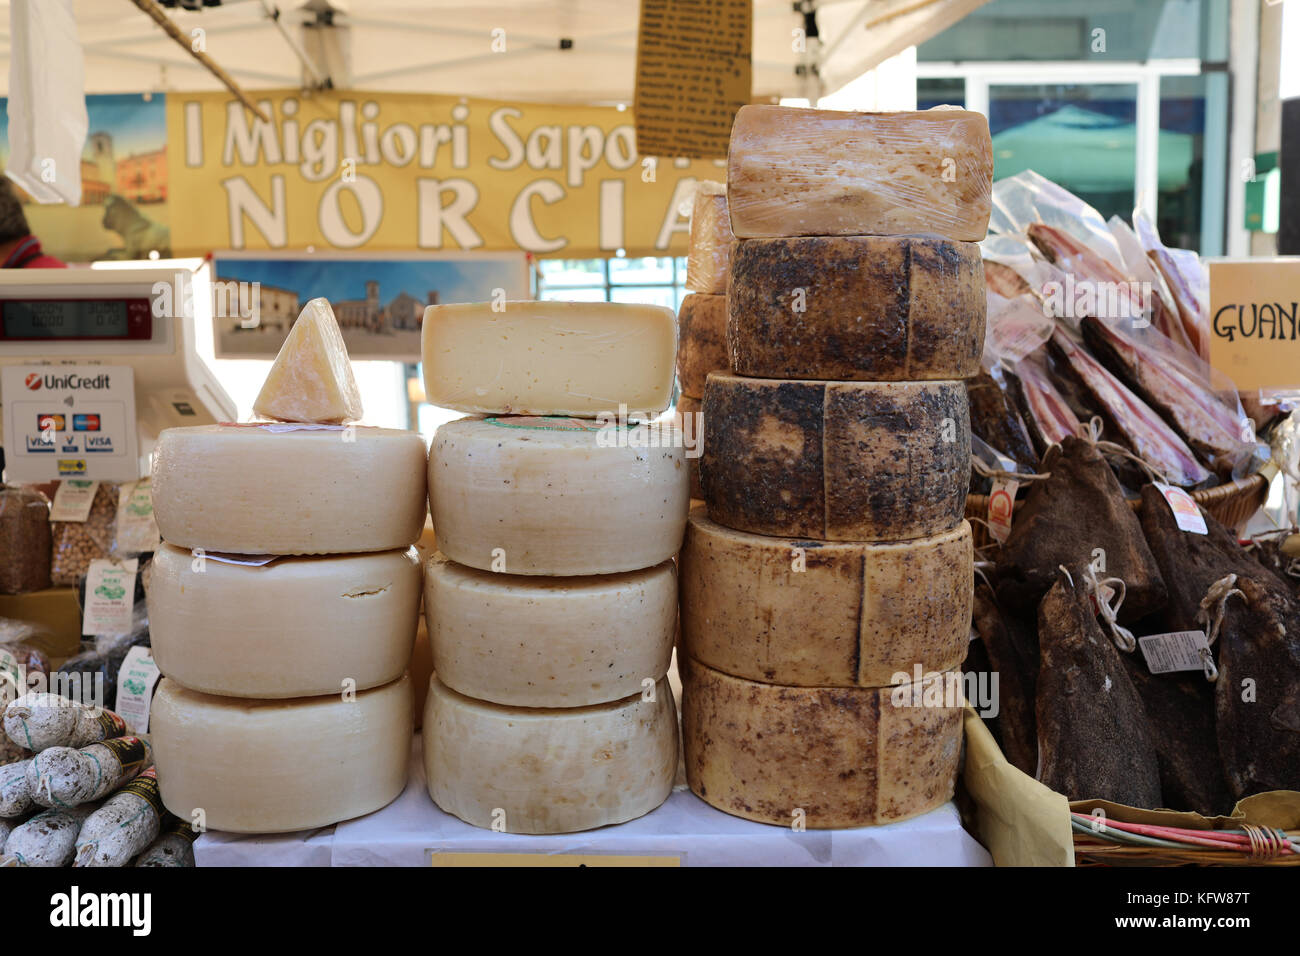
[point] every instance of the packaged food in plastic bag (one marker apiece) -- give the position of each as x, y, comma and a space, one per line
25, 543
77, 543
95, 670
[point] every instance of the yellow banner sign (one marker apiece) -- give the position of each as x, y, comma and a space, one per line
386, 171
1254, 316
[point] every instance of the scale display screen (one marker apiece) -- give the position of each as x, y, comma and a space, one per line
75, 319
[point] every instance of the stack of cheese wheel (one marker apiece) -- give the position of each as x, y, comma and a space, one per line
552, 601
826, 593
702, 319
284, 601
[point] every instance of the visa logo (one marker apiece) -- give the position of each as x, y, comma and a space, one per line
99, 443
37, 443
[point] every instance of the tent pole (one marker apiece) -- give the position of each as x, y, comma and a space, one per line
322, 80
173, 31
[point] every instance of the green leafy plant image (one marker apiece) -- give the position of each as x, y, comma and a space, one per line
113, 592
134, 686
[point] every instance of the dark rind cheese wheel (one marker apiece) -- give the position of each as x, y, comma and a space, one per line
824, 613
856, 308
701, 341
836, 461
828, 756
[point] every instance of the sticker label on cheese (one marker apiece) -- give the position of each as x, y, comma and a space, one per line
1187, 515
278, 428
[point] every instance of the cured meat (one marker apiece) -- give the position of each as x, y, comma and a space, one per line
1257, 694
1129, 417
1065, 520
1046, 414
1180, 712
1190, 408
1010, 647
1093, 738
994, 419
1004, 280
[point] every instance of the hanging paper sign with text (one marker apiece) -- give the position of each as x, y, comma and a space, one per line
1255, 322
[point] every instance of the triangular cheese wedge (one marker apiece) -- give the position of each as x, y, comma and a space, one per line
311, 380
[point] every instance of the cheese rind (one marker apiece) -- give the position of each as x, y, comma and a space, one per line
549, 771
260, 766
836, 461
855, 308
298, 627
702, 341
311, 379
708, 255
549, 358
810, 172
549, 642
824, 613
842, 757
557, 496
248, 490
686, 405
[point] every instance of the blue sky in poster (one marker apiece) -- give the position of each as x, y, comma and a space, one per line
455, 280
137, 125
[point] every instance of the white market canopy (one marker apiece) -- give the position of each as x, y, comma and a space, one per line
444, 46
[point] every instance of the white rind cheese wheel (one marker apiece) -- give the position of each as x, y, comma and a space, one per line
549, 771
250, 489
557, 496
259, 766
548, 358
831, 756
297, 627
824, 613
549, 642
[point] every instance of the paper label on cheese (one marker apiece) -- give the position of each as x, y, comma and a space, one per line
73, 499
1187, 515
244, 560
1175, 651
549, 423
135, 683
279, 428
110, 596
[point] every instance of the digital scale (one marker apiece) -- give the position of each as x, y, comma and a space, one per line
95, 362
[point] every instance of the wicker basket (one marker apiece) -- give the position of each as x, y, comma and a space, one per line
1232, 505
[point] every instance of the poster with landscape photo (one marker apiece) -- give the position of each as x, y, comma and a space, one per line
378, 299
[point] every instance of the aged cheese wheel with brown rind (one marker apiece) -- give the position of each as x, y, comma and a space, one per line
831, 756
836, 461
702, 341
824, 613
855, 308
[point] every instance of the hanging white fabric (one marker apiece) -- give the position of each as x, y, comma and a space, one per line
47, 100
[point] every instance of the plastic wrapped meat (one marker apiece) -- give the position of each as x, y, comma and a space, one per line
1129, 418
994, 419
1046, 413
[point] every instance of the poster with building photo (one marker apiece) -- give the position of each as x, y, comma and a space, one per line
378, 299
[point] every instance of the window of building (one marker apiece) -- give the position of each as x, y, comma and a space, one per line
649, 279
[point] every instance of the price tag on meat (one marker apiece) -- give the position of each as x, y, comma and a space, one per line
1187, 514
1002, 500
110, 596
1175, 651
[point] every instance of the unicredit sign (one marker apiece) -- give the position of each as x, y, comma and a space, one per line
72, 381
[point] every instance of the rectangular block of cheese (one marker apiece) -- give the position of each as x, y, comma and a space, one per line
702, 345
808, 172
855, 308
708, 257
836, 461
549, 358
832, 756
311, 379
824, 613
